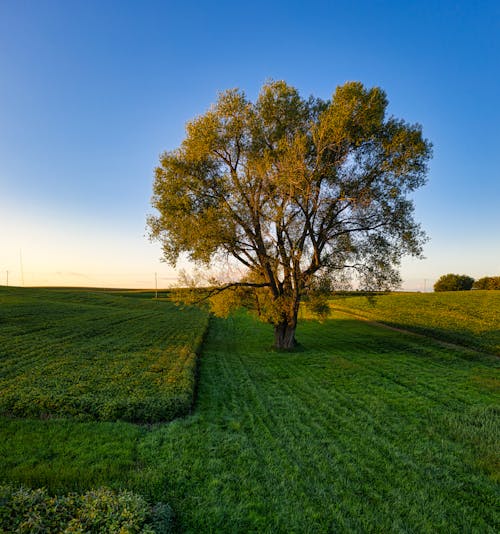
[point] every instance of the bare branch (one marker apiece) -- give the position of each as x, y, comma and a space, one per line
216, 290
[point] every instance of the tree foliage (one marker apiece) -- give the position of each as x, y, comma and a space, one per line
454, 282
293, 189
487, 282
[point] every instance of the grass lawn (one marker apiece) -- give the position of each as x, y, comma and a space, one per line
364, 430
470, 318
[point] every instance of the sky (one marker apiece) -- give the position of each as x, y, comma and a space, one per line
91, 93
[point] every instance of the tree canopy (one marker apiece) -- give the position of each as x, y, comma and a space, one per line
487, 282
295, 190
454, 282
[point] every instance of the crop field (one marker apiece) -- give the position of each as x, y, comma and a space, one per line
96, 355
363, 429
470, 318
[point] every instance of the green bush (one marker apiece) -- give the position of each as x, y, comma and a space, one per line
487, 282
98, 511
318, 305
454, 282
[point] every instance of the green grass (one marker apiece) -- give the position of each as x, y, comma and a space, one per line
470, 318
364, 430
96, 355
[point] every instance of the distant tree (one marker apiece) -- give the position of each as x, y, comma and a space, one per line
293, 189
454, 282
487, 282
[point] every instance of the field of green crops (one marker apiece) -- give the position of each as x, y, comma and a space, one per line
96, 355
470, 318
363, 429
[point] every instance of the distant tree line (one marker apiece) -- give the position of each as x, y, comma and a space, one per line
462, 282
487, 282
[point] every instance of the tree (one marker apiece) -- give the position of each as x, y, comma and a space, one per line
293, 189
487, 282
454, 282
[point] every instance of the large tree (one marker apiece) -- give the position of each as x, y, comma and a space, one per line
294, 190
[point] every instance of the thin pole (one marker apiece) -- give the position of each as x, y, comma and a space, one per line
156, 285
21, 262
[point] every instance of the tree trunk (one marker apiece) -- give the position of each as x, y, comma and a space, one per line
284, 336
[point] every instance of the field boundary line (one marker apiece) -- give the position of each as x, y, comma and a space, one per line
447, 344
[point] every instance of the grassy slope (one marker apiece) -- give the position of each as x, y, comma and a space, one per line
95, 355
470, 318
365, 430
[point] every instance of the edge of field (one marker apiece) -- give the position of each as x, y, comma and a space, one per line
163, 379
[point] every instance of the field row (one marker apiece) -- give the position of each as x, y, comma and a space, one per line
96, 356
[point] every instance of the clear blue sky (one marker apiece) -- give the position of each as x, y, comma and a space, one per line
92, 91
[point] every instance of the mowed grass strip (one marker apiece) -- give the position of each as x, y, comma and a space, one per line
96, 355
365, 430
469, 318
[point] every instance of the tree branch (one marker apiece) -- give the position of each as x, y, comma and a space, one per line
217, 290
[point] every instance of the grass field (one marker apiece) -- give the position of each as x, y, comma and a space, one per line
96, 355
363, 430
470, 318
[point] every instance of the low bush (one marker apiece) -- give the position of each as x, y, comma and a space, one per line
487, 282
318, 305
454, 282
99, 511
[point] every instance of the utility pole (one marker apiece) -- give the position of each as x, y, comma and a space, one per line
425, 285
156, 285
21, 262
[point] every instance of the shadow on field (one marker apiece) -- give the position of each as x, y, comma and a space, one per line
341, 334
470, 319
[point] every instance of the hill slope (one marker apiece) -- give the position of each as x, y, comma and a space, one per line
469, 318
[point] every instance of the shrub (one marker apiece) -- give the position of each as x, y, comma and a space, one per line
487, 282
454, 282
318, 305
100, 511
